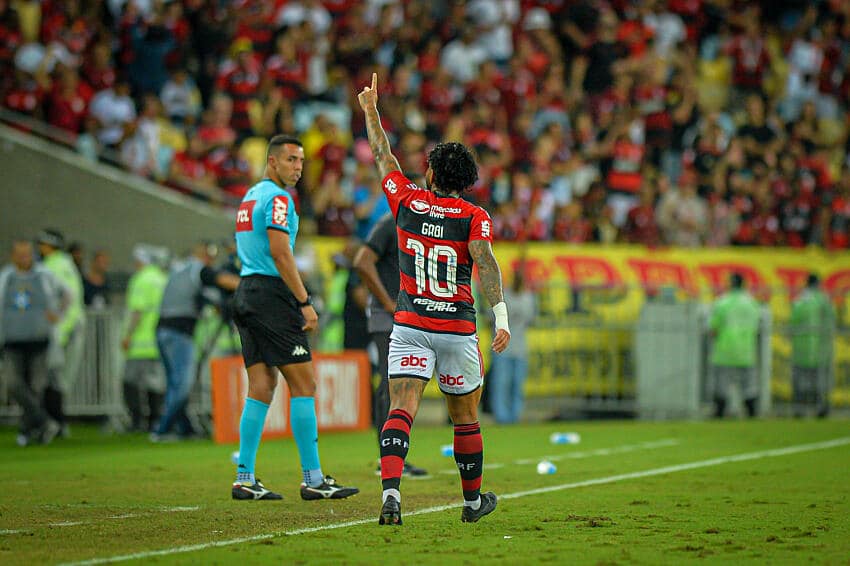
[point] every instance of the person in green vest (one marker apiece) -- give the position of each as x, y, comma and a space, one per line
144, 380
812, 326
66, 354
734, 325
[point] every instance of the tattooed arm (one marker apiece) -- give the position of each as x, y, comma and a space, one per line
491, 284
384, 159
488, 270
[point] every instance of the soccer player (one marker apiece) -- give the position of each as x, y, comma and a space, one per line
273, 313
440, 236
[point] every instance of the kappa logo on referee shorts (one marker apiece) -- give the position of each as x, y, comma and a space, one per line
300, 351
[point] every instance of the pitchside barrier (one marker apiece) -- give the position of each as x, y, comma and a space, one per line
215, 405
591, 299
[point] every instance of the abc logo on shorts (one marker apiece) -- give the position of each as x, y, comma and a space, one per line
414, 362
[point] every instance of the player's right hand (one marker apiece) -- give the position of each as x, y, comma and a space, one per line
501, 340
368, 97
311, 319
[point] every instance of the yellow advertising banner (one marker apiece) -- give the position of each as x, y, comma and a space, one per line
599, 290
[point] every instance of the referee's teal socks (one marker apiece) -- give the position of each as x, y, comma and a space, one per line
302, 419
250, 432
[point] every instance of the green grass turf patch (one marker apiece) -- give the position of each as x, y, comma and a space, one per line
94, 496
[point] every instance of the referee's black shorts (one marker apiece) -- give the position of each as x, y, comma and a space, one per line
269, 321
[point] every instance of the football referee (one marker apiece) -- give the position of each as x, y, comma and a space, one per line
273, 313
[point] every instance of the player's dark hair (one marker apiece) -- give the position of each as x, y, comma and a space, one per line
280, 140
453, 166
812, 280
736, 281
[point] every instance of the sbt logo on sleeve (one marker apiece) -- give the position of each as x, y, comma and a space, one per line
446, 379
414, 362
281, 207
391, 186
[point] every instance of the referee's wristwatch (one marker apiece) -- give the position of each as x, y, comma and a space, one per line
308, 302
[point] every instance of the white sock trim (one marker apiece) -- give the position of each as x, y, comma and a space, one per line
388, 492
474, 504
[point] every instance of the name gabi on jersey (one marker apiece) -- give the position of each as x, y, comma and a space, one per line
434, 306
433, 230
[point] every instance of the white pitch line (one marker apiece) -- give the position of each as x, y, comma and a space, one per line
772, 453
10, 531
122, 517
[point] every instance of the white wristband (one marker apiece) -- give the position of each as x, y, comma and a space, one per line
501, 312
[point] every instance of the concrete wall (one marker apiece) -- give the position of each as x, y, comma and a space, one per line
45, 185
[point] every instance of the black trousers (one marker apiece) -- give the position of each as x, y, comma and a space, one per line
381, 394
27, 362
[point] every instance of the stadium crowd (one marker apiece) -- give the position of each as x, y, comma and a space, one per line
684, 122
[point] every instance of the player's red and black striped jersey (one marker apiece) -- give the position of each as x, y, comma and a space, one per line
433, 256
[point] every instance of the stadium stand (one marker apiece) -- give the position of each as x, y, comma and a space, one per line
689, 122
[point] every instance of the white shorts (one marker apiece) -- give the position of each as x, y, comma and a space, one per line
420, 354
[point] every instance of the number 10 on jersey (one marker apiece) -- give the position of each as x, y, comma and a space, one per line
427, 262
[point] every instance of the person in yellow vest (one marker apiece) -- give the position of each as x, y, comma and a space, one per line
66, 354
144, 380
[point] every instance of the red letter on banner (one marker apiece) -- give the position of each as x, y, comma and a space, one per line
587, 271
654, 274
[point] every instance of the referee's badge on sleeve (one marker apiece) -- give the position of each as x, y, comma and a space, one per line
280, 208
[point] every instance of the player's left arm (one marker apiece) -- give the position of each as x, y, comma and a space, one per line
378, 141
491, 285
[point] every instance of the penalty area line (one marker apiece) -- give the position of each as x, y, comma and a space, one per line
748, 456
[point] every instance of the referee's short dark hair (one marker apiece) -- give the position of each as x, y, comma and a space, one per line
279, 140
453, 166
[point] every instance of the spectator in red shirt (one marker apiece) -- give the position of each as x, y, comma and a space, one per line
215, 130
641, 227
232, 171
751, 58
571, 225
333, 153
240, 79
838, 225
797, 216
98, 69
25, 95
67, 104
190, 174
286, 69
333, 208
651, 98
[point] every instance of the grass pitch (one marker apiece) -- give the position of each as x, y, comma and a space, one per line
98, 497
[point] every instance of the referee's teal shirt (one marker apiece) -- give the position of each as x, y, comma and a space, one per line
265, 206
